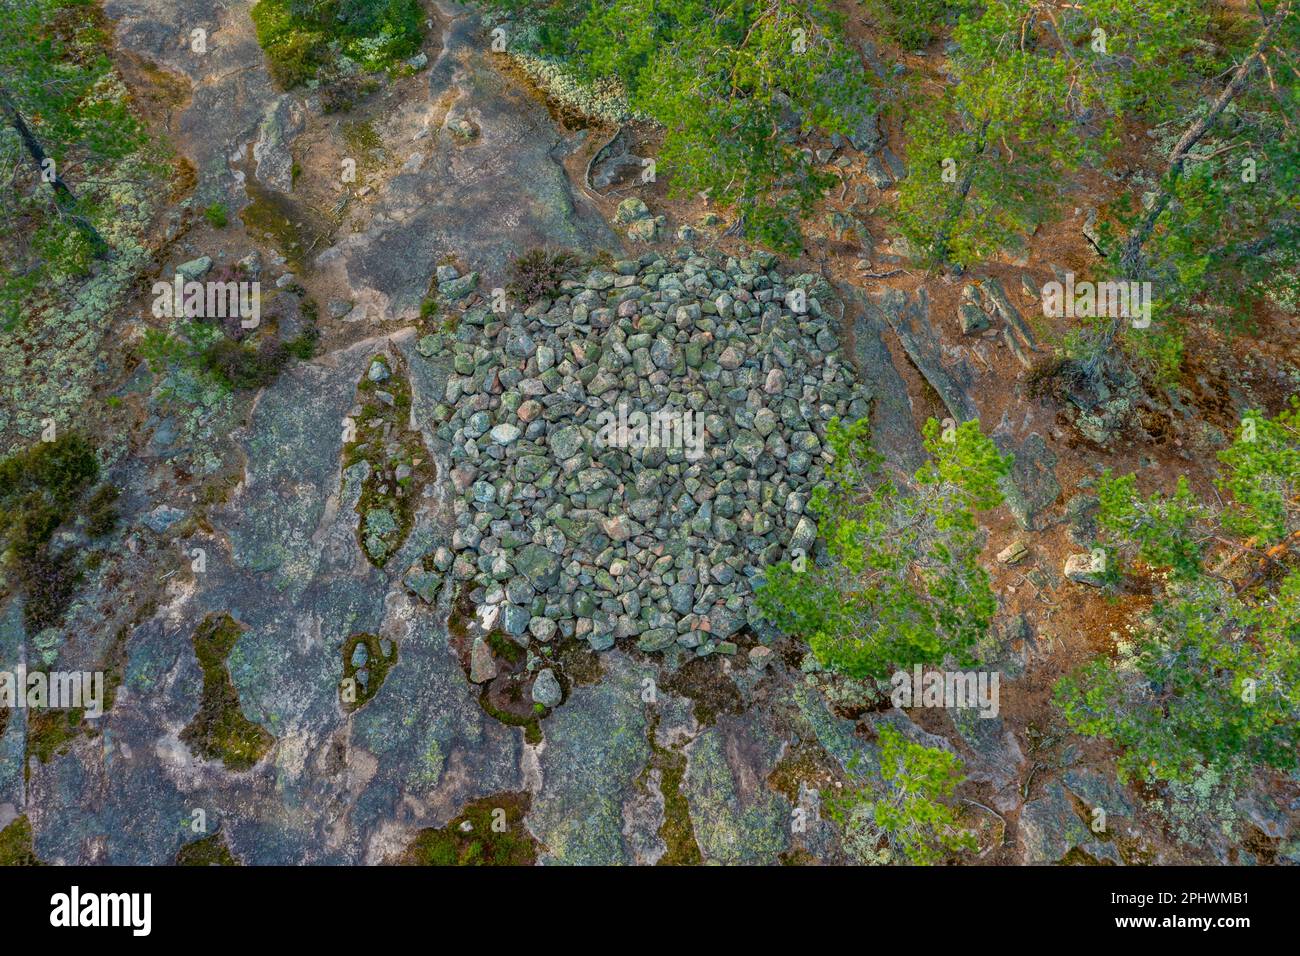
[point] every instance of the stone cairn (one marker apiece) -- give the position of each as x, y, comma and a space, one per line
629, 456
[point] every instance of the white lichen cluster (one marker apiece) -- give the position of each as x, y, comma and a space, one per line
1203, 811
49, 361
603, 99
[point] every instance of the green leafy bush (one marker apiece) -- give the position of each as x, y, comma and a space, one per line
1034, 96
84, 151
903, 585
912, 24
303, 38
241, 366
216, 215
1205, 688
537, 274
914, 821
204, 348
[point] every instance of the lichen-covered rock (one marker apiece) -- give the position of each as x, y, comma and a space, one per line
737, 819
458, 288
596, 749
1098, 790
647, 230
482, 667
1084, 569
1050, 828
426, 584
1031, 487
195, 269
546, 688
630, 210
971, 318
507, 170
160, 519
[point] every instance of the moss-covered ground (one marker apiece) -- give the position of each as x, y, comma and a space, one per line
208, 851
488, 832
677, 831
363, 678
16, 844
220, 731
399, 462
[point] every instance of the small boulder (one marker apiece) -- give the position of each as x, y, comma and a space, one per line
972, 318
546, 689
482, 668
1084, 569
647, 230
457, 289
630, 210
505, 433
1012, 553
195, 269
162, 518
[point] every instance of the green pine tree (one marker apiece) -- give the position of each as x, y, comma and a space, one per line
902, 584
1209, 682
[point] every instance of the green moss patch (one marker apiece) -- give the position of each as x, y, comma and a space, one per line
41, 488
488, 832
399, 463
101, 511
505, 649
16, 844
292, 228
365, 667
1077, 856
49, 732
209, 851
702, 681
306, 41
797, 857
677, 831
532, 725
220, 731
502, 698
805, 762
362, 141
114, 663
580, 664
505, 698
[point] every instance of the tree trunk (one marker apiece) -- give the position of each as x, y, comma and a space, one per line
945, 232
1131, 259
64, 196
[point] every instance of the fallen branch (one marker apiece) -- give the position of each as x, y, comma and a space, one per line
587, 187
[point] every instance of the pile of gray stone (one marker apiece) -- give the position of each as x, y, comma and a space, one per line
572, 520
